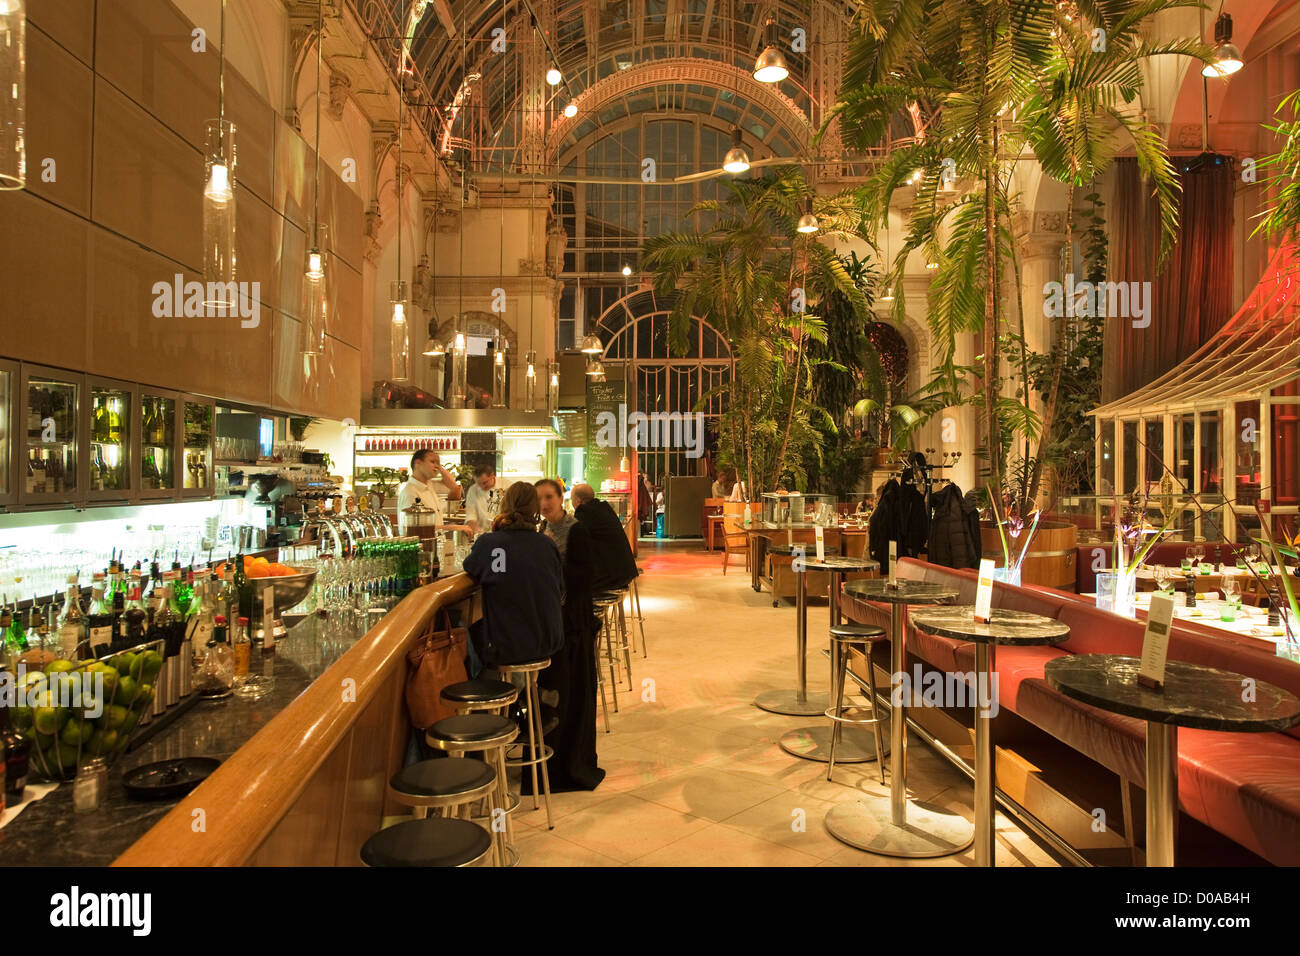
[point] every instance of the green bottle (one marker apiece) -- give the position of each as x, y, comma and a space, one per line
243, 589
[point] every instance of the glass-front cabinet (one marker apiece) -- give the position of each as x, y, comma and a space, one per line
51, 468
109, 422
8, 402
159, 410
196, 465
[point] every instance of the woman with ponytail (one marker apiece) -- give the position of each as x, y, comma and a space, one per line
519, 571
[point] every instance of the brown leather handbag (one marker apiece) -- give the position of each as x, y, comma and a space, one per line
436, 660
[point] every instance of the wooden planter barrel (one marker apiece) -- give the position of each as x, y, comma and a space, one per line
1051, 556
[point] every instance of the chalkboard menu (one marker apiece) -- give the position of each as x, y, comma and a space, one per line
604, 445
478, 448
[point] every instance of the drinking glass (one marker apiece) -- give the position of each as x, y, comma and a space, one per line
1164, 577
1197, 553
1231, 586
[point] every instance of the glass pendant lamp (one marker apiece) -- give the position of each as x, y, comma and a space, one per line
399, 344
499, 375
553, 387
220, 292
13, 94
530, 381
459, 368
315, 278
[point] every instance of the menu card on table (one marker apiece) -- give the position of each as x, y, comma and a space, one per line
984, 591
1155, 642
893, 564
821, 543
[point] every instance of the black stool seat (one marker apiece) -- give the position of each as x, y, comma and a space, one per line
442, 778
471, 728
850, 633
434, 841
605, 597
478, 691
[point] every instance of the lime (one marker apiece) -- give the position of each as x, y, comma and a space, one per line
62, 686
128, 725
123, 741
151, 664
115, 717
126, 689
111, 677
33, 682
68, 756
60, 667
46, 720
124, 663
96, 743
21, 717
76, 731
143, 696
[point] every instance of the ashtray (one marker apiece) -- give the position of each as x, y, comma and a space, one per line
168, 779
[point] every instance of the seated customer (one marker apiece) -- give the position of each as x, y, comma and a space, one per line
570, 682
615, 563
521, 576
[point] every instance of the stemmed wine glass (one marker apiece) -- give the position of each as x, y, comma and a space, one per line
1197, 553
1164, 577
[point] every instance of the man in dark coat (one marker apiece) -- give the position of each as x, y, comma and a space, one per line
615, 565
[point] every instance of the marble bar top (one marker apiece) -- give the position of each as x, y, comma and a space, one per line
1193, 695
50, 832
1003, 627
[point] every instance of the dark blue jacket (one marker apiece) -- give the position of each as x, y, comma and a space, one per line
522, 579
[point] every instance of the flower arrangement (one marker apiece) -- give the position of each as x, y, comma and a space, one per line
1135, 536
1010, 529
1287, 547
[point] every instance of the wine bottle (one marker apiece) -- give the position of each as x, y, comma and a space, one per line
99, 619
72, 629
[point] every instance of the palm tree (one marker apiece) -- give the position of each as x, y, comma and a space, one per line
754, 277
994, 83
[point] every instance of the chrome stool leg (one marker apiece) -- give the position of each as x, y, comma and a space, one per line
626, 638
538, 753
875, 713
634, 602
607, 633
838, 662
600, 682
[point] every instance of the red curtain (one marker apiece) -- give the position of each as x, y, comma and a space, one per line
1192, 298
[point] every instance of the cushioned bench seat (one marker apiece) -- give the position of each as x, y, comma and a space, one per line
1245, 786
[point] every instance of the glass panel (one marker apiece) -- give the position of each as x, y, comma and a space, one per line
1154, 453
1211, 477
1184, 451
1286, 452
1248, 463
110, 438
1131, 453
51, 436
1107, 457
6, 413
157, 443
198, 445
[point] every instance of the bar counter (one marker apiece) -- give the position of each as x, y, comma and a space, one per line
269, 749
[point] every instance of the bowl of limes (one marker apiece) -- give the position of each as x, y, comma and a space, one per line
72, 710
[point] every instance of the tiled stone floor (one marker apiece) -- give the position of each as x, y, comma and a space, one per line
694, 774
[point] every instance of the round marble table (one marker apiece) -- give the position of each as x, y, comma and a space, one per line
1003, 627
1193, 695
898, 826
813, 743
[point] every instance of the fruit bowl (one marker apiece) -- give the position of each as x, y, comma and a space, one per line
291, 589
69, 711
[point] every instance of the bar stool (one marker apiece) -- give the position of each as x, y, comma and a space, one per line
602, 603
433, 841
536, 748
844, 637
626, 638
634, 603
450, 786
489, 734
470, 696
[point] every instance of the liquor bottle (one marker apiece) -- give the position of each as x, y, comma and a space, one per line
99, 619
243, 589
96, 471
38, 631
117, 641
749, 515
16, 636
201, 623
14, 753
243, 648
114, 422
99, 422
72, 629
135, 616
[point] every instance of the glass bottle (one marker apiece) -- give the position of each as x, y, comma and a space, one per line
99, 619
243, 648
135, 616
117, 641
72, 629
216, 675
15, 751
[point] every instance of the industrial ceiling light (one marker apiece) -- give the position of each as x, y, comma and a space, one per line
571, 110
596, 369
554, 77
433, 348
591, 345
1227, 58
888, 296
737, 160
627, 270
770, 67
807, 222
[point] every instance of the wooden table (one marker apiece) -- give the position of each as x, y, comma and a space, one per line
712, 526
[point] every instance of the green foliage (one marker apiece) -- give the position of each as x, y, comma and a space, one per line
1282, 219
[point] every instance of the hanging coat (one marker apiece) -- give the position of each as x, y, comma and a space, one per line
885, 525
951, 542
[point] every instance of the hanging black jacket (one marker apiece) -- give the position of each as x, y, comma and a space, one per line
900, 516
951, 540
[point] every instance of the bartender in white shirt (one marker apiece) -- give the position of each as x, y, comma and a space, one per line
425, 465
478, 500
